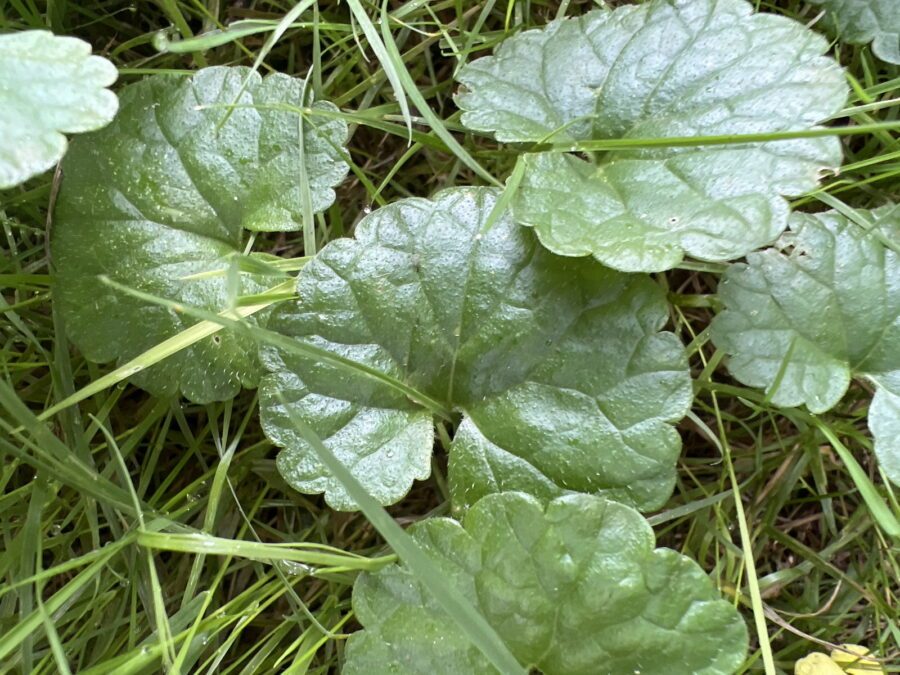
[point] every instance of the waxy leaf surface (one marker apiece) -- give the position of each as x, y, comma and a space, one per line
661, 70
863, 21
161, 200
49, 86
805, 317
575, 587
558, 361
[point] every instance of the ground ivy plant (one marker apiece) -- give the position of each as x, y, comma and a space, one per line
166, 199
559, 366
663, 69
823, 306
537, 355
572, 587
861, 22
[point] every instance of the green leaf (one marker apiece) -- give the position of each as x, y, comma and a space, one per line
803, 318
49, 86
859, 22
664, 69
478, 468
884, 421
573, 587
160, 201
459, 609
561, 362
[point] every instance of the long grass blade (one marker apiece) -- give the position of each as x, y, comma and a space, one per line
885, 518
393, 73
729, 139
436, 123
759, 610
163, 350
292, 346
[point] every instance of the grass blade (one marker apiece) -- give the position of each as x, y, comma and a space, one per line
728, 139
879, 510
280, 30
382, 53
13, 637
436, 123
292, 346
251, 550
163, 350
759, 610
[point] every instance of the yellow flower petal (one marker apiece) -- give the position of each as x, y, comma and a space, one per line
855, 663
817, 663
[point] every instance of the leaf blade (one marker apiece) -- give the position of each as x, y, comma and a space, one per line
646, 74
820, 308
51, 85
867, 21
161, 200
488, 324
547, 577
463, 613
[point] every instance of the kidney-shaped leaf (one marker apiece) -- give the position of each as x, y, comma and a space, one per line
160, 201
559, 361
49, 86
663, 69
805, 317
572, 588
862, 21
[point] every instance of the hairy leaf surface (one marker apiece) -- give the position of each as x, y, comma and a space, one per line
559, 361
49, 86
161, 201
663, 69
805, 317
863, 21
574, 587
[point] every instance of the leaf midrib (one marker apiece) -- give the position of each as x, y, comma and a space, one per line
167, 137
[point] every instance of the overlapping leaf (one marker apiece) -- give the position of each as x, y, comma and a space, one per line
558, 364
863, 21
160, 201
664, 69
572, 588
805, 317
49, 86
